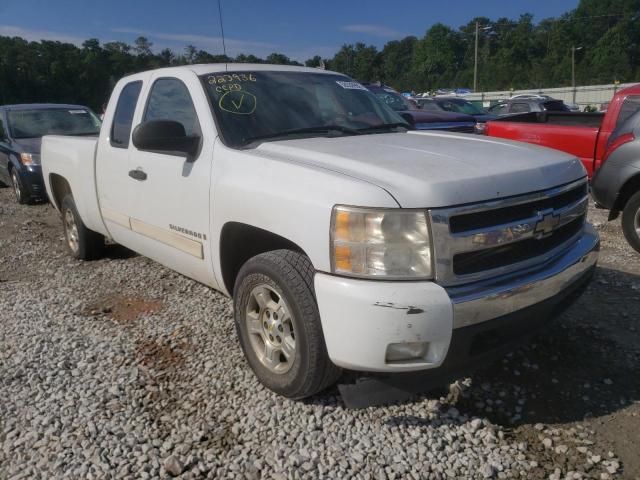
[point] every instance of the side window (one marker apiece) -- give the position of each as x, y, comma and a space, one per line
520, 108
123, 118
170, 100
630, 106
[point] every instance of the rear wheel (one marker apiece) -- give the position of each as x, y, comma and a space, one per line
83, 244
278, 324
631, 221
22, 196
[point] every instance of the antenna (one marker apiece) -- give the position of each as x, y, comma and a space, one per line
224, 46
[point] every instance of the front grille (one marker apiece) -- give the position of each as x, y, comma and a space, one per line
498, 257
483, 219
479, 241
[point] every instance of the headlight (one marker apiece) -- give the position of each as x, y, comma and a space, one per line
393, 243
30, 158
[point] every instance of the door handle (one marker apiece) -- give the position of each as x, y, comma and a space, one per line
138, 174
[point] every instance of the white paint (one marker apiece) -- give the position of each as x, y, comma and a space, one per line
361, 318
289, 188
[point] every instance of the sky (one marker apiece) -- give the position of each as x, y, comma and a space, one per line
297, 28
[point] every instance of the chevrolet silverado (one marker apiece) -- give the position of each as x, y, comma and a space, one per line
346, 238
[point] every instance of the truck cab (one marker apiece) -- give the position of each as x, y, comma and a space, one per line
346, 238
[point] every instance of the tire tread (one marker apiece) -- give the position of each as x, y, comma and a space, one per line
299, 274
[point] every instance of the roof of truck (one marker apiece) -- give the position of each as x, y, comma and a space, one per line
203, 69
631, 89
206, 68
41, 106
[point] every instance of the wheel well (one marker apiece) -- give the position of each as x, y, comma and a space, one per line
630, 187
239, 242
59, 188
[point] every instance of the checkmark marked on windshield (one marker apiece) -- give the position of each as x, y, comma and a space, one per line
239, 104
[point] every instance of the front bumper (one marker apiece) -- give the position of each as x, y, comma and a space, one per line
32, 180
363, 319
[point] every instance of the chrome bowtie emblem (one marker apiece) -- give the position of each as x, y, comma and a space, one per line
548, 223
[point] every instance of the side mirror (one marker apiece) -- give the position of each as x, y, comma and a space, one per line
408, 117
165, 136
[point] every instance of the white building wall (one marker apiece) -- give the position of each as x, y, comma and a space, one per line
587, 95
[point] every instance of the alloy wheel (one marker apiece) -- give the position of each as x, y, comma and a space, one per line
271, 328
71, 230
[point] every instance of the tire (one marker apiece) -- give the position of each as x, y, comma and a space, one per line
83, 244
22, 196
274, 296
631, 221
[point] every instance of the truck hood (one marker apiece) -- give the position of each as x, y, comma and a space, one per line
434, 169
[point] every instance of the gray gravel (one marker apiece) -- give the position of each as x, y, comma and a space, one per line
120, 368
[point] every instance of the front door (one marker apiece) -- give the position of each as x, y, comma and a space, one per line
169, 192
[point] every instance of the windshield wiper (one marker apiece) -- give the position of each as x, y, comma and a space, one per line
385, 126
325, 129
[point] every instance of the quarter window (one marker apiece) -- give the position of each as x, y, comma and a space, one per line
170, 100
123, 118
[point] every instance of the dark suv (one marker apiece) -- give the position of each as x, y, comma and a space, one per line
526, 104
420, 119
21, 130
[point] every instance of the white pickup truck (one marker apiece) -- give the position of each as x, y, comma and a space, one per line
346, 239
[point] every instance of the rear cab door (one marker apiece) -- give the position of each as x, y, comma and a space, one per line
169, 193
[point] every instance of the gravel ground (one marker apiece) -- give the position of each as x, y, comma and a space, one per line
120, 368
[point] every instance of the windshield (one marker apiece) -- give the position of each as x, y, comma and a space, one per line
394, 100
52, 121
460, 106
252, 106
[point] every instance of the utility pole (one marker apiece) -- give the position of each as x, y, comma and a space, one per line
475, 63
573, 70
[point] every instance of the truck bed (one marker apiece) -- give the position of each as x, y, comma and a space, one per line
573, 133
73, 159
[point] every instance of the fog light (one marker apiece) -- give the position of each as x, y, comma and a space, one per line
404, 352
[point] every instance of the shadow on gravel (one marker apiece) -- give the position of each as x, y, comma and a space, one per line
586, 364
118, 252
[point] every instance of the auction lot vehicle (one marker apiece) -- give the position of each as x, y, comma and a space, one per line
607, 144
421, 119
345, 239
527, 104
21, 131
456, 105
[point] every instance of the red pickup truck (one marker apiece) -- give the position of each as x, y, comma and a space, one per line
585, 135
607, 143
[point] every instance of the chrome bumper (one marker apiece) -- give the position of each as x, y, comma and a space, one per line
481, 301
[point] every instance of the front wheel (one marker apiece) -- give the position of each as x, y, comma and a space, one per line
83, 244
22, 196
631, 221
278, 324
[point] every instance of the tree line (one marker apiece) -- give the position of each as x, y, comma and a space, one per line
511, 54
